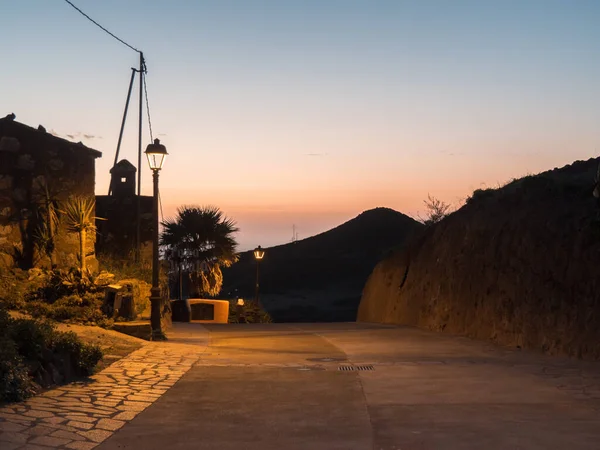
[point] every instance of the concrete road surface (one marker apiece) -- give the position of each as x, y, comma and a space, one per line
359, 386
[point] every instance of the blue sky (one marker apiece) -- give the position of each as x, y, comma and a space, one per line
309, 112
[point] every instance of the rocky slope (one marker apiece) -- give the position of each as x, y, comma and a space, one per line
519, 265
321, 278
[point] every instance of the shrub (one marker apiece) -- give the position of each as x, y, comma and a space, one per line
15, 382
65, 296
126, 268
480, 194
34, 354
249, 312
14, 288
31, 337
436, 210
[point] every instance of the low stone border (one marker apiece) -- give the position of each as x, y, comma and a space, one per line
81, 415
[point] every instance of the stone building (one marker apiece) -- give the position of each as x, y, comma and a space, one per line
39, 170
117, 234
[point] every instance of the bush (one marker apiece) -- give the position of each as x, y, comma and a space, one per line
14, 288
249, 312
125, 268
436, 210
65, 296
71, 309
480, 195
34, 354
15, 382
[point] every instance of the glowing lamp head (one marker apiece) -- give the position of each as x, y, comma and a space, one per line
156, 154
259, 253
240, 302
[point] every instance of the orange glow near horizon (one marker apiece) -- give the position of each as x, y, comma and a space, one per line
308, 113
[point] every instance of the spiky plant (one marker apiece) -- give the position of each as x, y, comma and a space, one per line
78, 216
48, 219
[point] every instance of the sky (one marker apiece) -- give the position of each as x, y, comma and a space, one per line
309, 112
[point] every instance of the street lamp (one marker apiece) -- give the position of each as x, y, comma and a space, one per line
259, 254
156, 154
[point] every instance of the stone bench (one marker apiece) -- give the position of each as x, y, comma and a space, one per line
201, 310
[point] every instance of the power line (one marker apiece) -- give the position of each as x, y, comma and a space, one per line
148, 106
102, 28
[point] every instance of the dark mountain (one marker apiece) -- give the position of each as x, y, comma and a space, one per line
321, 278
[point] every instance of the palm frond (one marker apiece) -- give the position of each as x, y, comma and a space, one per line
200, 239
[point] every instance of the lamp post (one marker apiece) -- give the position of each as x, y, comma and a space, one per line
259, 254
156, 153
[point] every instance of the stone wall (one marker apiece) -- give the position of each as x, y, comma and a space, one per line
37, 168
117, 230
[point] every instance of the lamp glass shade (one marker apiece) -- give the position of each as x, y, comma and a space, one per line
156, 154
259, 253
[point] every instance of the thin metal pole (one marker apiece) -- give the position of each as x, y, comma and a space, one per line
155, 295
155, 229
123, 123
139, 168
257, 265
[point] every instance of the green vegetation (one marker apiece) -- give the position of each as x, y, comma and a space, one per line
34, 355
62, 295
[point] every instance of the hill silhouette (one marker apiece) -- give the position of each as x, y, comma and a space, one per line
518, 265
320, 278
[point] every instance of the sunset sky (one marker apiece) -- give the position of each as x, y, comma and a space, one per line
308, 112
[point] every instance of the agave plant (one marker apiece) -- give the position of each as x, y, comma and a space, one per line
48, 219
78, 216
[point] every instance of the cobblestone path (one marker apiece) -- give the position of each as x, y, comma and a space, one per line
83, 414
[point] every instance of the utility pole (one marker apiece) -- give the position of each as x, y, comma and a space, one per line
133, 70
139, 168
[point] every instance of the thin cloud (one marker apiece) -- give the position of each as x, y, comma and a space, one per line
316, 154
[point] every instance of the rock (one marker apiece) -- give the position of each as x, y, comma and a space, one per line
140, 293
19, 195
6, 260
34, 273
9, 144
26, 162
55, 164
5, 229
5, 182
39, 184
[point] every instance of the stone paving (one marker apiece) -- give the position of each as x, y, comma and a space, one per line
81, 415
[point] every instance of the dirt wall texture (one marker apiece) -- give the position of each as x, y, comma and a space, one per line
519, 266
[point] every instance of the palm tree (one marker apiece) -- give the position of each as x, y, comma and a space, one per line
78, 215
199, 241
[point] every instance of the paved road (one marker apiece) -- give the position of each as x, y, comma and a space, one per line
280, 386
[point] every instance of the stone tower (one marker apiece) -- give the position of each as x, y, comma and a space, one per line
122, 179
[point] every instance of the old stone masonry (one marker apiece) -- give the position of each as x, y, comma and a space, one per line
82, 415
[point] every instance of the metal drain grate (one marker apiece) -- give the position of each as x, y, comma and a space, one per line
353, 368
